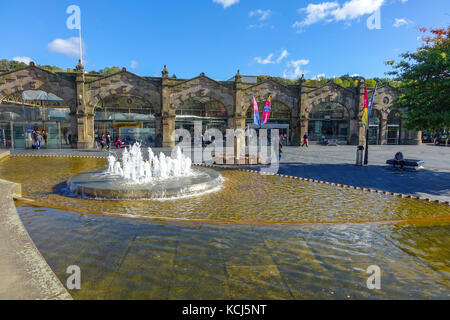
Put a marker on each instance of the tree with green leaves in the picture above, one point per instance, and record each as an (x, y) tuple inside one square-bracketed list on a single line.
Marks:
[(107, 71), (11, 65), (425, 83)]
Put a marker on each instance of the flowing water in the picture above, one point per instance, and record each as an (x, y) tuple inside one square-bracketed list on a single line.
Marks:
[(123, 258), (321, 251)]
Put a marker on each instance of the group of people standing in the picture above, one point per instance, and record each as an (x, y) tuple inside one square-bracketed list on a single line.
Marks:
[(39, 138), (105, 141)]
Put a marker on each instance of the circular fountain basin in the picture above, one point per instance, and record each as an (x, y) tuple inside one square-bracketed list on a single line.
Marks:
[(99, 185)]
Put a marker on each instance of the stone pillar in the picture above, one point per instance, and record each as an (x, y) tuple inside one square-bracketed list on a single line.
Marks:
[(238, 123), (413, 137), (383, 131), (304, 123), (303, 119), (238, 120), (296, 131), (168, 128), (168, 115), (84, 117), (158, 130), (362, 134)]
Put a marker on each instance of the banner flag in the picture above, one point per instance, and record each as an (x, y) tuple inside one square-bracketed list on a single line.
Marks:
[(365, 117), (267, 109), (255, 112)]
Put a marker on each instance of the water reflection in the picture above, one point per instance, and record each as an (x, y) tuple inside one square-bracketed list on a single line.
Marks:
[(123, 258), (245, 197)]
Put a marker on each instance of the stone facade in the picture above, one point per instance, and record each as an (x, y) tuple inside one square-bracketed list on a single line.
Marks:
[(83, 93)]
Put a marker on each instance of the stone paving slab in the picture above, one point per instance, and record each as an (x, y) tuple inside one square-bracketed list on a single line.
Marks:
[(24, 273)]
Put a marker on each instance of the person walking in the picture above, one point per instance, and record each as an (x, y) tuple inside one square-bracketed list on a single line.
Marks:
[(33, 137), (44, 137), (38, 140), (280, 148), (102, 141), (305, 140), (108, 140)]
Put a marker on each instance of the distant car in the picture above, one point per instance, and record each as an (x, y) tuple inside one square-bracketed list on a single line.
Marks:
[(427, 138), (442, 139)]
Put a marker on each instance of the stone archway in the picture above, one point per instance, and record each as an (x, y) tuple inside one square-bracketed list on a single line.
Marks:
[(20, 115), (123, 83), (262, 91), (375, 125), (333, 94), (201, 86), (329, 120), (130, 118)]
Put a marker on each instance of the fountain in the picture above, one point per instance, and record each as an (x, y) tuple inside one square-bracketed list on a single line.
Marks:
[(155, 178), (136, 170)]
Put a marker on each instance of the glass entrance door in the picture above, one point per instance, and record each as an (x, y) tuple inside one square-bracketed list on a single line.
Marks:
[(393, 134), (52, 136), (19, 136), (5, 135), (23, 134), (373, 134)]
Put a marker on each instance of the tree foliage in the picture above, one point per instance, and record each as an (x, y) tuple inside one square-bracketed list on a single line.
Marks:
[(344, 81), (11, 65), (424, 81), (107, 71)]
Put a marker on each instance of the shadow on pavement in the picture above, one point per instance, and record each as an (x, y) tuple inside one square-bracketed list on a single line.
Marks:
[(375, 176)]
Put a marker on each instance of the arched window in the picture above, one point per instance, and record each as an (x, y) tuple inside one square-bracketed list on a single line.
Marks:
[(374, 127), (37, 110), (329, 121), (394, 122), (128, 117), (210, 112), (280, 118), (279, 113)]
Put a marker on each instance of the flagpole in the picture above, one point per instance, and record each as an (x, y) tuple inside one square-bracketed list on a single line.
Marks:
[(366, 152), (81, 46)]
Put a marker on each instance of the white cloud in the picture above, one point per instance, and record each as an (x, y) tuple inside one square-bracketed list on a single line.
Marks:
[(400, 22), (226, 3), (269, 59), (263, 14), (333, 11), (133, 64), (282, 56), (356, 8), (316, 13), (295, 70), (70, 47), (25, 60)]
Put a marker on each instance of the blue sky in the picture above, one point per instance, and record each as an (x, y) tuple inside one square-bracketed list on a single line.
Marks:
[(280, 38)]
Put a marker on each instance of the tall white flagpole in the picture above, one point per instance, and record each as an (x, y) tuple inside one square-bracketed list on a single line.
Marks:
[(74, 22), (81, 45)]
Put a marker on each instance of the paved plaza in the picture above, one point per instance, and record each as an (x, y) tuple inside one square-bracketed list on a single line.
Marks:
[(337, 164)]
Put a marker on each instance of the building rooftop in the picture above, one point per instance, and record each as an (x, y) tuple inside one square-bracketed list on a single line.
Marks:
[(246, 79)]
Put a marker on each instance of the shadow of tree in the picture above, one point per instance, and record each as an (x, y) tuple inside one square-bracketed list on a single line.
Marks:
[(375, 176)]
